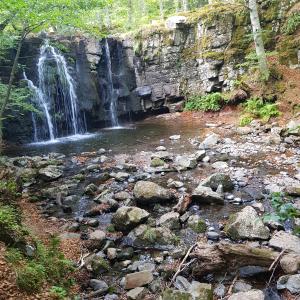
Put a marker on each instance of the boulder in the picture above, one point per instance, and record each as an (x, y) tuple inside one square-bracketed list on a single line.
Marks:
[(184, 162), (169, 220), (50, 173), (147, 192), (137, 279), (137, 293), (127, 217), (210, 141), (289, 282), (218, 179), (175, 22), (283, 240), (145, 236), (99, 286), (249, 295), (247, 225), (290, 263), (204, 194)]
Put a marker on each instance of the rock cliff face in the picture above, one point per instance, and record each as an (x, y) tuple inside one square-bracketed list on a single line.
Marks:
[(197, 52)]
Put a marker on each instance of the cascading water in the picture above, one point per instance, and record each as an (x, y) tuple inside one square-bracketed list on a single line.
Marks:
[(112, 94), (55, 96)]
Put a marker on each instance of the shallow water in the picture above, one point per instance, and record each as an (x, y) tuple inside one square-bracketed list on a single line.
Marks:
[(128, 139)]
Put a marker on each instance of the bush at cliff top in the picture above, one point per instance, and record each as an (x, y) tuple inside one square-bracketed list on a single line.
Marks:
[(210, 102)]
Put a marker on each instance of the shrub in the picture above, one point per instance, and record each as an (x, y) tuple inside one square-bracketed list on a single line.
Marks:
[(11, 229), (245, 120), (8, 190), (31, 277), (257, 108), (48, 264), (292, 23), (210, 102), (57, 267), (58, 292)]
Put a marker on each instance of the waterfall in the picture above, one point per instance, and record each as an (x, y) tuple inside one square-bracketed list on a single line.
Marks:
[(55, 96), (112, 94), (39, 100)]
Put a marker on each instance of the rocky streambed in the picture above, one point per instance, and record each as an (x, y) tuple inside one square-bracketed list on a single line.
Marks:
[(183, 218)]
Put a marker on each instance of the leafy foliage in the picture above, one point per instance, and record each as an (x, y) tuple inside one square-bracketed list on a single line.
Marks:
[(210, 102), (283, 210), (11, 229), (48, 265), (19, 99), (257, 108), (31, 277), (245, 120), (58, 292), (292, 23), (8, 190)]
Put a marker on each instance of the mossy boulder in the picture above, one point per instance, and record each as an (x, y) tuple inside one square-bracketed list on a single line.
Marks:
[(246, 225)]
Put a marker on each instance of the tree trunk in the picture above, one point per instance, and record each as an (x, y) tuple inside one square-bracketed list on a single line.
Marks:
[(130, 13), (259, 44), (161, 9), (176, 3), (10, 83), (185, 5)]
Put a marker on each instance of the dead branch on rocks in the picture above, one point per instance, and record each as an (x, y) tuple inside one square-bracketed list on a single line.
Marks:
[(181, 264), (211, 258)]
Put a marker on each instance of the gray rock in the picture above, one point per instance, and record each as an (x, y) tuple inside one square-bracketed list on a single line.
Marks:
[(111, 253), (98, 285), (220, 165), (250, 295), (212, 235), (220, 290), (147, 192), (201, 290), (283, 240), (128, 217), (137, 279), (241, 286), (175, 22), (247, 225), (182, 283), (111, 297), (185, 163), (175, 137), (122, 196), (218, 179), (50, 173), (98, 235), (137, 293), (169, 220), (204, 194), (251, 271), (144, 236), (210, 141), (289, 282), (290, 263), (161, 148), (199, 155), (122, 176), (146, 266)]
